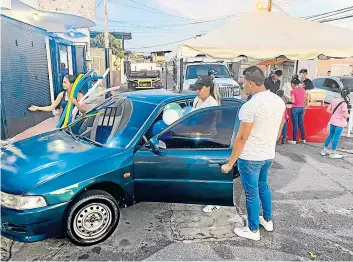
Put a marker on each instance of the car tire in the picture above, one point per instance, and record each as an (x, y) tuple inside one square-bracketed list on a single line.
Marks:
[(92, 218)]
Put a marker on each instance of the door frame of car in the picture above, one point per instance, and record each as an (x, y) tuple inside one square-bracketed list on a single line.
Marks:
[(222, 189)]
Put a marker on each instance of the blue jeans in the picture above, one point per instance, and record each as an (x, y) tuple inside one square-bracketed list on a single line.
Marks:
[(298, 117), (284, 130), (335, 135), (254, 179)]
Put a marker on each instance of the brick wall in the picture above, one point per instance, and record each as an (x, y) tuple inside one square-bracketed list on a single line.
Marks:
[(84, 8)]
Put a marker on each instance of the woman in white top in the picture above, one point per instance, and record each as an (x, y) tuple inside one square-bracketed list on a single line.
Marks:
[(207, 93), (207, 96)]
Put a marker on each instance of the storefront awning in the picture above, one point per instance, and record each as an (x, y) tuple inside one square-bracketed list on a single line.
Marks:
[(50, 21)]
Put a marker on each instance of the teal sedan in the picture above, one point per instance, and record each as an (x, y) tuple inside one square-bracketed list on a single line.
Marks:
[(74, 180)]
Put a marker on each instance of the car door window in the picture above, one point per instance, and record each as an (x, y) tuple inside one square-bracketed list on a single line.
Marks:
[(319, 83), (332, 85), (213, 128)]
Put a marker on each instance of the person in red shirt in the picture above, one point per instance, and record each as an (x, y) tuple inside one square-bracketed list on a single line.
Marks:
[(298, 98)]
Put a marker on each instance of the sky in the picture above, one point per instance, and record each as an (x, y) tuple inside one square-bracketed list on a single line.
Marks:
[(158, 24)]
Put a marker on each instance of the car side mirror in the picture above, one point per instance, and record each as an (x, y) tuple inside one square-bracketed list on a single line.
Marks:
[(154, 145)]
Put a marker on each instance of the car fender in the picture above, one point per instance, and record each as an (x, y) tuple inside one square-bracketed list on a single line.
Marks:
[(112, 169)]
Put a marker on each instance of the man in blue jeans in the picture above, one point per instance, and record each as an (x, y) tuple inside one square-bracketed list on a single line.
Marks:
[(262, 119)]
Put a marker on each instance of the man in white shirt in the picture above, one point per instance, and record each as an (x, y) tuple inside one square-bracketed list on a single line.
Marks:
[(262, 119)]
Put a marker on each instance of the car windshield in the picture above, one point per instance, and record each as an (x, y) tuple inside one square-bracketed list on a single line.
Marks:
[(111, 124), (347, 82), (194, 71)]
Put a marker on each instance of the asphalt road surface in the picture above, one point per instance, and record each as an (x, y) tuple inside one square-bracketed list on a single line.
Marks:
[(313, 214)]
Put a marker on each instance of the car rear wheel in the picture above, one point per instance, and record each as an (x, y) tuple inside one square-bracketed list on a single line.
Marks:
[(92, 218)]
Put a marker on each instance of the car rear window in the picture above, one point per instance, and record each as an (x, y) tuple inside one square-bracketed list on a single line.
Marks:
[(347, 82)]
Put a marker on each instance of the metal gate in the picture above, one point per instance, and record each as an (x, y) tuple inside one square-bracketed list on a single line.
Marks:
[(24, 76)]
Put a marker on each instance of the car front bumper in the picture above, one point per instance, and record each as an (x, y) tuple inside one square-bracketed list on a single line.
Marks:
[(32, 225)]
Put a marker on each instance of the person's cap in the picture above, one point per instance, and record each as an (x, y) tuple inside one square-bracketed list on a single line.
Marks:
[(278, 72), (303, 70), (212, 72), (203, 81)]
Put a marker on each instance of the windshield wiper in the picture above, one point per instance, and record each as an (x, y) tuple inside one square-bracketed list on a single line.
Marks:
[(90, 141), (68, 130)]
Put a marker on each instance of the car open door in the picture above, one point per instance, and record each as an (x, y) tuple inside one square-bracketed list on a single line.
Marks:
[(186, 167)]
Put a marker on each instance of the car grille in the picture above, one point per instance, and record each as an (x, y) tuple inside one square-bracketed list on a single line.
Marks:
[(229, 91)]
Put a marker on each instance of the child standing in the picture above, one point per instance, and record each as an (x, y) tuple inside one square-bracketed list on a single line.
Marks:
[(339, 108)]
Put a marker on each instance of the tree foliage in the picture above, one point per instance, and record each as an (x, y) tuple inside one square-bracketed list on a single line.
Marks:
[(114, 44)]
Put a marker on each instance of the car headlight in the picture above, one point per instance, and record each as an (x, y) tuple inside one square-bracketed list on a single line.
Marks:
[(22, 202)]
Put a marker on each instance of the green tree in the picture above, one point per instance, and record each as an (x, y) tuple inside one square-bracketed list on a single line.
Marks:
[(114, 44)]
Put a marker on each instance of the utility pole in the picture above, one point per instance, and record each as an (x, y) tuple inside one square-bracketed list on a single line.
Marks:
[(106, 45), (269, 7)]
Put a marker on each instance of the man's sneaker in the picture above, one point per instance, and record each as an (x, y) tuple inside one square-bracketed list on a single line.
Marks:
[(323, 152), (292, 142), (210, 209), (303, 141), (267, 225), (335, 156), (245, 232)]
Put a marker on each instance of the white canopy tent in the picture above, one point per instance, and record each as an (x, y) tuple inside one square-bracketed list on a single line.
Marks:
[(266, 35)]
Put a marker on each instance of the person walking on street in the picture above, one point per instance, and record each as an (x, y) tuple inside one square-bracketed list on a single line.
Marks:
[(339, 110), (272, 82), (305, 81), (62, 98), (254, 150), (298, 100)]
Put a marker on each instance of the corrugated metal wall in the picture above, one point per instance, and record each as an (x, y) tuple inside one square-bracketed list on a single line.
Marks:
[(24, 76)]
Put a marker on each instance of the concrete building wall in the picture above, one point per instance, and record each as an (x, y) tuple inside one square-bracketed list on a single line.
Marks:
[(84, 8)]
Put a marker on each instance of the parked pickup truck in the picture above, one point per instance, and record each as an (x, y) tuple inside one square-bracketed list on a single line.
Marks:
[(144, 79)]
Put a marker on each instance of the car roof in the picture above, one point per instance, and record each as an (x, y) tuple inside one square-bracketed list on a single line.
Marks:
[(334, 77), (155, 96)]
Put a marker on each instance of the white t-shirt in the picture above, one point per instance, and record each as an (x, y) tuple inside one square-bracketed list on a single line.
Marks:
[(265, 110), (210, 101)]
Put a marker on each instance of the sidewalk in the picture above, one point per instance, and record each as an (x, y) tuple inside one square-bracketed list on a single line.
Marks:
[(43, 127)]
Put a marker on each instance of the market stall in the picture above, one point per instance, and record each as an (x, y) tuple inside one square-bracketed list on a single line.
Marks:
[(266, 35)]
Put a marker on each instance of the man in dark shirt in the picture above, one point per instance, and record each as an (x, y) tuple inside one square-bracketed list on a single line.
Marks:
[(306, 82), (272, 82)]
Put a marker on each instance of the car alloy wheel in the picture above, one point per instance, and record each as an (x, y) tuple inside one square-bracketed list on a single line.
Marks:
[(92, 218)]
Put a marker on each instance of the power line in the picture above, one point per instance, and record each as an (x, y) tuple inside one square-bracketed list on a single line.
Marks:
[(318, 15), (144, 9), (178, 24), (334, 14), (154, 8), (199, 35), (280, 9), (336, 19)]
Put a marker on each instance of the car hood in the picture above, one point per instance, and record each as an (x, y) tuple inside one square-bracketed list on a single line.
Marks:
[(36, 160), (218, 81)]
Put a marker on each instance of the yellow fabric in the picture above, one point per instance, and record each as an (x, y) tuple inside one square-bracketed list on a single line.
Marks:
[(69, 104), (266, 35)]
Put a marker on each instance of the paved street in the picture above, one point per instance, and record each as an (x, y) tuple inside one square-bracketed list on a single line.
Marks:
[(313, 213)]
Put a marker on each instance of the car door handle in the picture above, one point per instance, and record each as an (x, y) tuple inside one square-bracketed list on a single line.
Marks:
[(217, 161)]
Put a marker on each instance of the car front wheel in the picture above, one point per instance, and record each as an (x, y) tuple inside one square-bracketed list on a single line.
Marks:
[(92, 218)]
